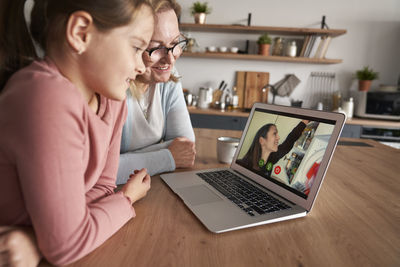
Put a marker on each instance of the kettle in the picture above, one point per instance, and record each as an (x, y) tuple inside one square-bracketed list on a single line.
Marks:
[(205, 97)]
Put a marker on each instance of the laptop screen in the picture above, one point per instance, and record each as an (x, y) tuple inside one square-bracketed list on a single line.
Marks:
[(285, 148)]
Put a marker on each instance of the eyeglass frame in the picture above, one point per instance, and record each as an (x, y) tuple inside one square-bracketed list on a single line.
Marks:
[(151, 50)]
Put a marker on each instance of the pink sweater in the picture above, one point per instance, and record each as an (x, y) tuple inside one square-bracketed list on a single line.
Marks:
[(58, 163)]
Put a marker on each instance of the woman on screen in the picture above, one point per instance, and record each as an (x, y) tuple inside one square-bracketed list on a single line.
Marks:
[(265, 150)]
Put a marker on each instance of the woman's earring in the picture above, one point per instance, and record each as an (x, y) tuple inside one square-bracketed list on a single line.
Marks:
[(80, 51)]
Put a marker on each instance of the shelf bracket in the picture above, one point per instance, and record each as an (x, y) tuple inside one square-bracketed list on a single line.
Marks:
[(323, 23), (249, 20)]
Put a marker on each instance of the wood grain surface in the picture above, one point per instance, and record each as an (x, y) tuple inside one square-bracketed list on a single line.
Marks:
[(355, 221), (249, 85)]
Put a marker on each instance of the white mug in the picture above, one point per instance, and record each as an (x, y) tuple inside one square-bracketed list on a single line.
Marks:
[(205, 97), (226, 148)]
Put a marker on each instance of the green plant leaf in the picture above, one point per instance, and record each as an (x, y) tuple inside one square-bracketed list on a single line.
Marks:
[(366, 74), (264, 39), (199, 7)]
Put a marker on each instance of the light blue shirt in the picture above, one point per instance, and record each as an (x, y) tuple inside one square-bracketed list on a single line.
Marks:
[(156, 157)]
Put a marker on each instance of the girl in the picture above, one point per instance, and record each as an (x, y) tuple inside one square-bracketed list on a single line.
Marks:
[(61, 119)]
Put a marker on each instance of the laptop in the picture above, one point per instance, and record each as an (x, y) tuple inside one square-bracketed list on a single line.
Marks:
[(275, 174)]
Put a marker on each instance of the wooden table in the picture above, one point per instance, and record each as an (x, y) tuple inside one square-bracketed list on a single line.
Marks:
[(355, 222)]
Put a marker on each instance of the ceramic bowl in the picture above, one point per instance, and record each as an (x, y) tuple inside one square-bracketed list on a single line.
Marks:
[(234, 49), (211, 48), (223, 49)]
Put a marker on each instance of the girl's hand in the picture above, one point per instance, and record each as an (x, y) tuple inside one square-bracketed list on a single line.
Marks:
[(18, 247), (137, 185)]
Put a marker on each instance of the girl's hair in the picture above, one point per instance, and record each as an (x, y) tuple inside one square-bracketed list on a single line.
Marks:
[(165, 5), (253, 154), (48, 21)]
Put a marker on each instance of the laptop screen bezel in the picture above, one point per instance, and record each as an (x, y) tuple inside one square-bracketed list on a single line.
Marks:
[(306, 203)]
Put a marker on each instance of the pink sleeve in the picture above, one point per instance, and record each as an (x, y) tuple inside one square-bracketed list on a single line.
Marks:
[(107, 181), (50, 163)]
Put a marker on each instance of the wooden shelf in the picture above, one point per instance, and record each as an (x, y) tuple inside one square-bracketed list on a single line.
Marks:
[(219, 28), (260, 57), (259, 29)]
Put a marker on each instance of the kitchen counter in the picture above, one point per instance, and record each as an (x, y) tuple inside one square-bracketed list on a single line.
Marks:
[(236, 120), (242, 113)]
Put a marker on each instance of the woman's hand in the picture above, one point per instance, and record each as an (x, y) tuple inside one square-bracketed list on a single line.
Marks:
[(305, 121), (137, 185), (183, 151), (18, 247)]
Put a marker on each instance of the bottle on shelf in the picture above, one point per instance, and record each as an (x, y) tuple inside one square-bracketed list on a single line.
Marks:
[(336, 100), (348, 107), (235, 98)]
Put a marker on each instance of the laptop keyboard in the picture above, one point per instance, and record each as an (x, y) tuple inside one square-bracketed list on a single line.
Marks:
[(246, 196)]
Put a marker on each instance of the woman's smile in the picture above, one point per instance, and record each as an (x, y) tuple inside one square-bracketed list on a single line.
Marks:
[(162, 69)]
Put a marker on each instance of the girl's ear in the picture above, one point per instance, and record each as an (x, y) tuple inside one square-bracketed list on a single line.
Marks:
[(79, 31)]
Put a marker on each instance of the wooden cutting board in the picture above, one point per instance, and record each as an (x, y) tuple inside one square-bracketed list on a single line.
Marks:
[(249, 86)]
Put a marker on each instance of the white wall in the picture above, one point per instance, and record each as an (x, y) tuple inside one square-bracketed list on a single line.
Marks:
[(372, 38)]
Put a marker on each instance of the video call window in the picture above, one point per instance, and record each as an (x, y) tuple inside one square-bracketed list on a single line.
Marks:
[(285, 150)]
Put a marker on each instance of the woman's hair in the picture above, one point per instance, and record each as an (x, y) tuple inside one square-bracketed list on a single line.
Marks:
[(165, 5), (48, 23), (159, 6), (253, 154)]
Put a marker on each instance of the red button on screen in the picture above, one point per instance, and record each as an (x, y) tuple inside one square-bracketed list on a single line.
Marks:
[(277, 170)]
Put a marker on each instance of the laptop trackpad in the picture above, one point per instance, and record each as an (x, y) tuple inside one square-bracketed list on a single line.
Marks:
[(198, 194)]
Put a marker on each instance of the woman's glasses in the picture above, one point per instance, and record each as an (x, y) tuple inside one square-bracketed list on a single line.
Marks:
[(158, 52)]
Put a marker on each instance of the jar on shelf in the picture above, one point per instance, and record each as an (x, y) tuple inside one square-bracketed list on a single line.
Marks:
[(291, 49), (277, 47)]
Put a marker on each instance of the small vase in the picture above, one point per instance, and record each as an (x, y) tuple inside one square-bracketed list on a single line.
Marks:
[(200, 18), (278, 47), (263, 49), (364, 85)]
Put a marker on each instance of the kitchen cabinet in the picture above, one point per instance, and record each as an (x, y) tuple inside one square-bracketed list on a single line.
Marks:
[(215, 119), (275, 31), (352, 131), (218, 122)]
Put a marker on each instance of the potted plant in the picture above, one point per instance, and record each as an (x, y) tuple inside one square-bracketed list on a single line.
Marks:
[(199, 11), (264, 43), (365, 77)]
